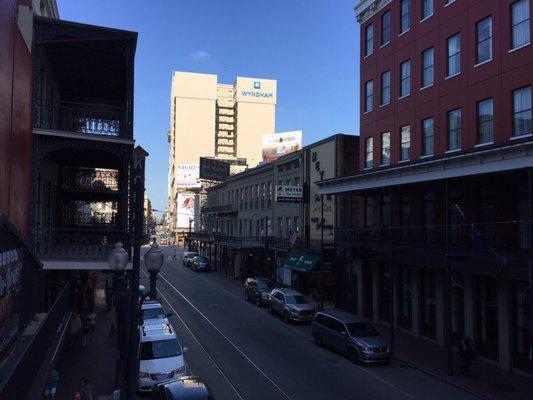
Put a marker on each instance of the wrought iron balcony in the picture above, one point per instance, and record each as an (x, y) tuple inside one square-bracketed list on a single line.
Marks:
[(243, 242), (85, 118), (76, 244)]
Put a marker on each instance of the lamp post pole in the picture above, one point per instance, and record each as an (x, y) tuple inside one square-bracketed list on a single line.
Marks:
[(153, 260)]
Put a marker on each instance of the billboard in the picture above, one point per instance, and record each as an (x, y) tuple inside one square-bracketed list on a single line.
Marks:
[(276, 145), (186, 209), (213, 169), (288, 194), (187, 176)]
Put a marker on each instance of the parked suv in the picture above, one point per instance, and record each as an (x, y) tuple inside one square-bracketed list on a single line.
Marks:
[(291, 304), (187, 258), (353, 336), (257, 290), (160, 355), (152, 313), (199, 263)]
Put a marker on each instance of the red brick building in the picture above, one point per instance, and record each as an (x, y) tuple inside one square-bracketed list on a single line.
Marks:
[(439, 241)]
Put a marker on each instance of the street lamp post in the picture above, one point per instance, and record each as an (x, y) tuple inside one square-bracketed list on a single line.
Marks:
[(153, 260), (118, 259)]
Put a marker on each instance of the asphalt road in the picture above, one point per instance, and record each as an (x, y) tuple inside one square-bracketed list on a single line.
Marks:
[(242, 352)]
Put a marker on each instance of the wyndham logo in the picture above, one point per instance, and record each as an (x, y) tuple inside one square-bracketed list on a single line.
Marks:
[(247, 93), (257, 85)]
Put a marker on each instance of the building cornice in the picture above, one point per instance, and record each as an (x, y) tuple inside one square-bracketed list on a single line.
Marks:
[(368, 8), (499, 159)]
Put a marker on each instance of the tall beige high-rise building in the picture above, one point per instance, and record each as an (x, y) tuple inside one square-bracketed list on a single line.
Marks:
[(211, 119)]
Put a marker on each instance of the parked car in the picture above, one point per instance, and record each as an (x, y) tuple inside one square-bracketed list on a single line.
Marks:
[(199, 263), (187, 258), (291, 304), (350, 335), (257, 290), (160, 355), (152, 313), (186, 388)]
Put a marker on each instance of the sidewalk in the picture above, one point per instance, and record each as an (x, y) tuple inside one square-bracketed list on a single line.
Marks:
[(96, 363), (486, 380)]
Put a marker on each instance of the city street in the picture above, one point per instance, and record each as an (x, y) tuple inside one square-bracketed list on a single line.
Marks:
[(242, 352)]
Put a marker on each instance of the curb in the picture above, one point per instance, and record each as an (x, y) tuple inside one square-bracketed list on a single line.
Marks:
[(441, 378)]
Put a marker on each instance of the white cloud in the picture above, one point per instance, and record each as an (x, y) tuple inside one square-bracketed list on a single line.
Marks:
[(200, 55)]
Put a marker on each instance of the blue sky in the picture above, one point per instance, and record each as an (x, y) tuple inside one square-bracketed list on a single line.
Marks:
[(310, 46)]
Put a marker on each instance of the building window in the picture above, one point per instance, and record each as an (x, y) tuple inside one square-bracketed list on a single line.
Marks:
[(429, 304), (385, 88), (405, 15), (485, 121), (369, 34), (457, 306), (297, 181), (405, 138), (453, 65), (405, 76), (369, 96), (454, 129), (289, 227), (428, 136), (520, 23), (296, 225), (406, 303), (369, 152), (240, 227), (268, 222), (385, 28), (385, 148), (405, 217), (385, 212), (522, 111), (369, 212), (484, 40), (428, 65), (385, 288), (280, 227), (429, 217), (427, 9)]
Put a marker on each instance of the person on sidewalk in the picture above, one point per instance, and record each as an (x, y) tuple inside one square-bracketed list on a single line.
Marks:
[(86, 331), (74, 327), (466, 353), (92, 324), (51, 386), (85, 390)]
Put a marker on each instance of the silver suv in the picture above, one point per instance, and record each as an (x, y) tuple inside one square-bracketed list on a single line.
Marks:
[(353, 336), (291, 304)]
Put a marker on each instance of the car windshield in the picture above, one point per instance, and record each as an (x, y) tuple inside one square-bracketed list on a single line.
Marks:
[(201, 259), (296, 299), (153, 313), (160, 349), (361, 329), (263, 285)]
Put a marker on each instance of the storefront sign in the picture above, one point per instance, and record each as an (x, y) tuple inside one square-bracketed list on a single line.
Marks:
[(289, 194)]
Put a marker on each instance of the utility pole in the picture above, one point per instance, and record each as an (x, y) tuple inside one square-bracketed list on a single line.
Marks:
[(321, 252), (139, 158)]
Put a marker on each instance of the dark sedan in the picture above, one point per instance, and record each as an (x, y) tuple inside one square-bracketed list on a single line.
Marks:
[(199, 263)]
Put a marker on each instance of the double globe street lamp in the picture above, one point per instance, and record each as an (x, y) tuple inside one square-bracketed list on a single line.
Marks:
[(153, 260)]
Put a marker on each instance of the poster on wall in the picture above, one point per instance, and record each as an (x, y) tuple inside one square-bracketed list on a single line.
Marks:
[(10, 276), (187, 176), (276, 145), (186, 208)]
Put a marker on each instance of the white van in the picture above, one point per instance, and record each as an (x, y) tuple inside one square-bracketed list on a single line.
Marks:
[(160, 355)]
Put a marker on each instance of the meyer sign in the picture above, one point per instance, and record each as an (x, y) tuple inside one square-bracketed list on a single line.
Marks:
[(288, 194)]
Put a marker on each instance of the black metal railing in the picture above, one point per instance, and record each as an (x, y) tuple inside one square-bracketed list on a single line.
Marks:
[(76, 244), (90, 119), (499, 236), (225, 208), (242, 242), (89, 179)]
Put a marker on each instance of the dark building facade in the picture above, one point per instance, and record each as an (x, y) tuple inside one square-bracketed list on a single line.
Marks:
[(439, 238)]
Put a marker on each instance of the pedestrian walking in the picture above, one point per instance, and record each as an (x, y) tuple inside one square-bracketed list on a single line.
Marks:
[(85, 390), (51, 386), (74, 327), (92, 324), (466, 353), (86, 331)]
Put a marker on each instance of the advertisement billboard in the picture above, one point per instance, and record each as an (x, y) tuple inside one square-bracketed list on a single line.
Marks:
[(186, 209), (214, 170), (288, 194), (278, 144), (187, 176)]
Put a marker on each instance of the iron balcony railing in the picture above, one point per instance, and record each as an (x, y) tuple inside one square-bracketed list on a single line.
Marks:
[(242, 242), (500, 236), (85, 118), (220, 209), (76, 244)]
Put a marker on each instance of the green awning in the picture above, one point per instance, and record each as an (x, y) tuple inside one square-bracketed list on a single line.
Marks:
[(301, 261)]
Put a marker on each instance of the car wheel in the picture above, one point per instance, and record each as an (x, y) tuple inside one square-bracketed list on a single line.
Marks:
[(270, 309), (318, 339), (353, 356), (286, 318), (258, 301)]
